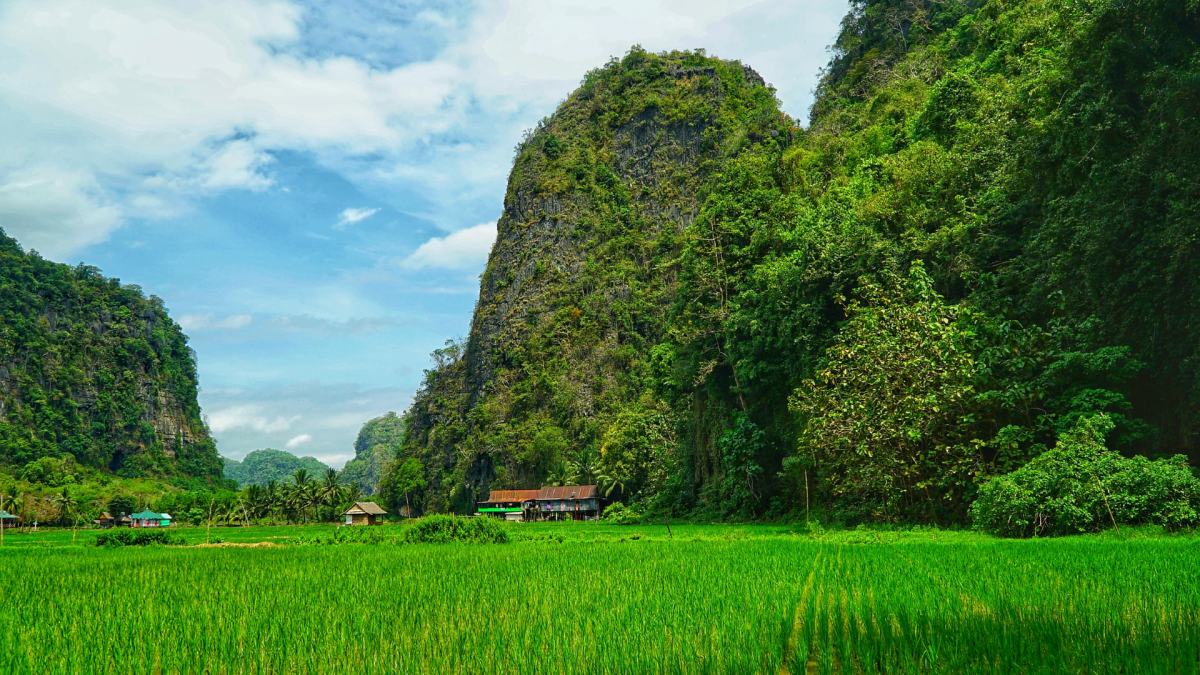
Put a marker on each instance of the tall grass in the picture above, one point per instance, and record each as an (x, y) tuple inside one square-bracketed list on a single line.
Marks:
[(650, 606)]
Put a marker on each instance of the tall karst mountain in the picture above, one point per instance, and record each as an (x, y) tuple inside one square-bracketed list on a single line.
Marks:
[(94, 370), (987, 233), (585, 269)]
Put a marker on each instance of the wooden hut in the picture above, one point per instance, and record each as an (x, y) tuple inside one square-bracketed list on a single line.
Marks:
[(508, 504), (363, 513), (105, 521), (568, 502)]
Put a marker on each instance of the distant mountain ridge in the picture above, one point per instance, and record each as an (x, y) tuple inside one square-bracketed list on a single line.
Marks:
[(262, 466)]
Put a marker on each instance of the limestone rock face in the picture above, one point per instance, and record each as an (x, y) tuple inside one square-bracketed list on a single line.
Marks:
[(96, 370), (584, 271)]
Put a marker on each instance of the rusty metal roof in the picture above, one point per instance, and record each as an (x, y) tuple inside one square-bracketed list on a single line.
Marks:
[(568, 492), (512, 495)]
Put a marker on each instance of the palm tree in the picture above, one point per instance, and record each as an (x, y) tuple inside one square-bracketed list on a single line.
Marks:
[(313, 498), (298, 497), (63, 504), (587, 469), (331, 488), (606, 485), (272, 499), (563, 474), (256, 502)]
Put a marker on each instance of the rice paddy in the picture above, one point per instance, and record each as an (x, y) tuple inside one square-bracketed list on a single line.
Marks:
[(606, 600)]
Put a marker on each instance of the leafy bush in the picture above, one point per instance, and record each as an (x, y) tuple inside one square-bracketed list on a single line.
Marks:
[(621, 514), (446, 529), (114, 538), (1065, 489)]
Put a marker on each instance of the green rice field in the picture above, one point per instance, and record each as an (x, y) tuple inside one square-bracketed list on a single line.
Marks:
[(587, 598)]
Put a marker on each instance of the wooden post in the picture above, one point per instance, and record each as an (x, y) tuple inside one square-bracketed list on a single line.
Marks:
[(1106, 506), (807, 508), (208, 527)]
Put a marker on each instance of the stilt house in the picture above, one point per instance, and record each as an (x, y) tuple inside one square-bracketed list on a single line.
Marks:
[(509, 504), (568, 502)]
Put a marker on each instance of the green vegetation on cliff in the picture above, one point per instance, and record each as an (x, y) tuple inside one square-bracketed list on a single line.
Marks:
[(376, 445), (94, 374), (985, 239)]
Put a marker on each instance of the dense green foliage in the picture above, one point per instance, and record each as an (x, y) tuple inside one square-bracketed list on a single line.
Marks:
[(608, 599), (141, 537), (95, 372), (260, 467), (376, 445), (1029, 166), (445, 529), (1079, 486)]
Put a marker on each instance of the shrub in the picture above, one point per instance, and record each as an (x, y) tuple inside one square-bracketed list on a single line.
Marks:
[(621, 514), (139, 538), (446, 529), (1064, 490)]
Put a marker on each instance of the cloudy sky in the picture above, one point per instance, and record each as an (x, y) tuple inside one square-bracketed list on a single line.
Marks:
[(312, 187)]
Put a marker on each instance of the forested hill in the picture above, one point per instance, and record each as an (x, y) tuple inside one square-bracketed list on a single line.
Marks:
[(987, 233), (96, 371), (260, 467), (375, 446)]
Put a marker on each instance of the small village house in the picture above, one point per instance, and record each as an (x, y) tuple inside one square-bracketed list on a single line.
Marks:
[(105, 521), (363, 513), (509, 504), (149, 518), (567, 502), (9, 520)]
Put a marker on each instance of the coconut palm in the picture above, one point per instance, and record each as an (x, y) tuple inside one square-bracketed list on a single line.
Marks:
[(331, 489), (272, 497), (587, 468), (63, 505), (563, 474)]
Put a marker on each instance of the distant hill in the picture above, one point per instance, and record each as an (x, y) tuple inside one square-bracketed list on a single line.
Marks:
[(376, 445), (261, 466), (95, 370)]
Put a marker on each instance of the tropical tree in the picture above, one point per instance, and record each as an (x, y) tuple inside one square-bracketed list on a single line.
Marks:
[(883, 415), (332, 491)]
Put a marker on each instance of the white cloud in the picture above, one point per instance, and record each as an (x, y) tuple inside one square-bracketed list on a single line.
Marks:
[(298, 440), (305, 323), (455, 251), (352, 215), (149, 105), (199, 322), (56, 211), (249, 417), (237, 165), (332, 414)]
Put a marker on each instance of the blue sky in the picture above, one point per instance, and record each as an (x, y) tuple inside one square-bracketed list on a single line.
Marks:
[(312, 187)]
